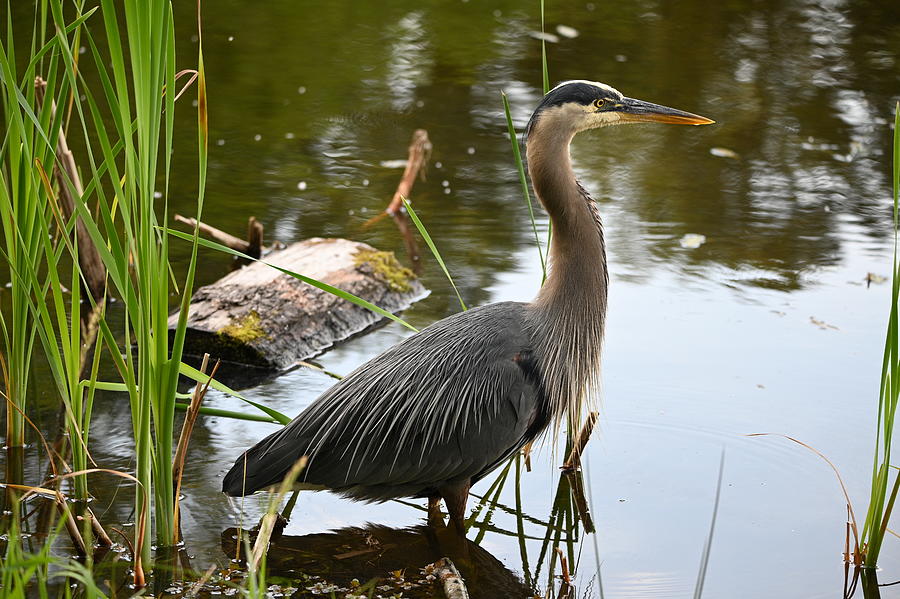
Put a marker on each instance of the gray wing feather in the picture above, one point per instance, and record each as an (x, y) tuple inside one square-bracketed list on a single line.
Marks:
[(446, 404)]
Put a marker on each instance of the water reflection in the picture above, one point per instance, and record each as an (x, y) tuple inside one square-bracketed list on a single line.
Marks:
[(390, 559), (801, 91), (803, 111), (708, 342)]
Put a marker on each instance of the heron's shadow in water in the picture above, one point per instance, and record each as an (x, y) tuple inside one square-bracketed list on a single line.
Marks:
[(375, 551)]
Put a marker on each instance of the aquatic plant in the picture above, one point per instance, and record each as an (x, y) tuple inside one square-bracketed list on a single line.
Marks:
[(124, 163), (23, 572), (434, 251), (127, 232), (23, 208), (40, 234), (883, 495)]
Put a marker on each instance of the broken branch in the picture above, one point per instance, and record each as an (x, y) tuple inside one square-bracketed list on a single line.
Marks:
[(419, 153)]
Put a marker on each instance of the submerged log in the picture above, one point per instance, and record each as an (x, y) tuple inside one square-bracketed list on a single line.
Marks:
[(267, 320)]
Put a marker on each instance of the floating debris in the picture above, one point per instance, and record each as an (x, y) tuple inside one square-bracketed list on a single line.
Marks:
[(323, 588), (692, 241), (724, 153), (812, 144), (871, 277), (301, 90), (393, 163), (301, 185), (855, 149), (566, 31), (544, 36), (289, 135), (257, 137), (620, 58), (470, 150), (822, 324), (453, 583)]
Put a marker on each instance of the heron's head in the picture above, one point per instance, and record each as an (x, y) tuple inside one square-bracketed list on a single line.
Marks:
[(574, 106)]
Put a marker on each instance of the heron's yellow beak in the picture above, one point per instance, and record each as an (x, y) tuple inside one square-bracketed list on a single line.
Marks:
[(638, 111)]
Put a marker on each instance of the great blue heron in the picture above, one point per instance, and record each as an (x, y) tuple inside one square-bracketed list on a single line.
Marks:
[(437, 412)]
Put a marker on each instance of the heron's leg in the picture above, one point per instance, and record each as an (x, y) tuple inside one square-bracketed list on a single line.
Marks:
[(289, 506), (282, 519), (455, 496), (435, 517)]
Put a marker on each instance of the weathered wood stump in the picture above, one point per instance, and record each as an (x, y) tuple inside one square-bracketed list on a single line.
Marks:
[(266, 320)]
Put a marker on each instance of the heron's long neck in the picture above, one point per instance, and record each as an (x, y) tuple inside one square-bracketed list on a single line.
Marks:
[(570, 308)]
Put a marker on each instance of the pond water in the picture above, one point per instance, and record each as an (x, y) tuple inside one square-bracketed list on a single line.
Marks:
[(767, 327)]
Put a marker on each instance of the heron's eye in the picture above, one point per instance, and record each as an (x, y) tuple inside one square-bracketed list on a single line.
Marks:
[(600, 102)]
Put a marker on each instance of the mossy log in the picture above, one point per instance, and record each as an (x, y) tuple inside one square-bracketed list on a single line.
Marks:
[(264, 321)]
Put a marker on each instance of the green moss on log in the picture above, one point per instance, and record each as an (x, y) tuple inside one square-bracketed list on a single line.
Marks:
[(387, 269), (246, 330)]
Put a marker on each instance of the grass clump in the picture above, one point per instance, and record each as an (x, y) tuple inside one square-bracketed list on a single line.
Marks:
[(126, 126)]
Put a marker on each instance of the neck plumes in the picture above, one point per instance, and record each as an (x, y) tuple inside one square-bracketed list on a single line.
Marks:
[(570, 308)]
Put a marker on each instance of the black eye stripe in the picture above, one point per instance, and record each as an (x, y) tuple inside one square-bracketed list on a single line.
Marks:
[(577, 92)]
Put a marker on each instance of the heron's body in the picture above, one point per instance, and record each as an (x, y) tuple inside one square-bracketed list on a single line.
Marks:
[(434, 414), (405, 451)]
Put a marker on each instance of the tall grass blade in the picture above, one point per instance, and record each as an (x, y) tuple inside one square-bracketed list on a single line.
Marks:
[(707, 545), (544, 70), (590, 498), (271, 415), (491, 496), (203, 379), (520, 524), (25, 139), (434, 251), (877, 515), (523, 181)]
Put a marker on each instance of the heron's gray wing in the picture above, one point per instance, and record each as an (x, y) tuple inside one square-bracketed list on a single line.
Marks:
[(444, 405)]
